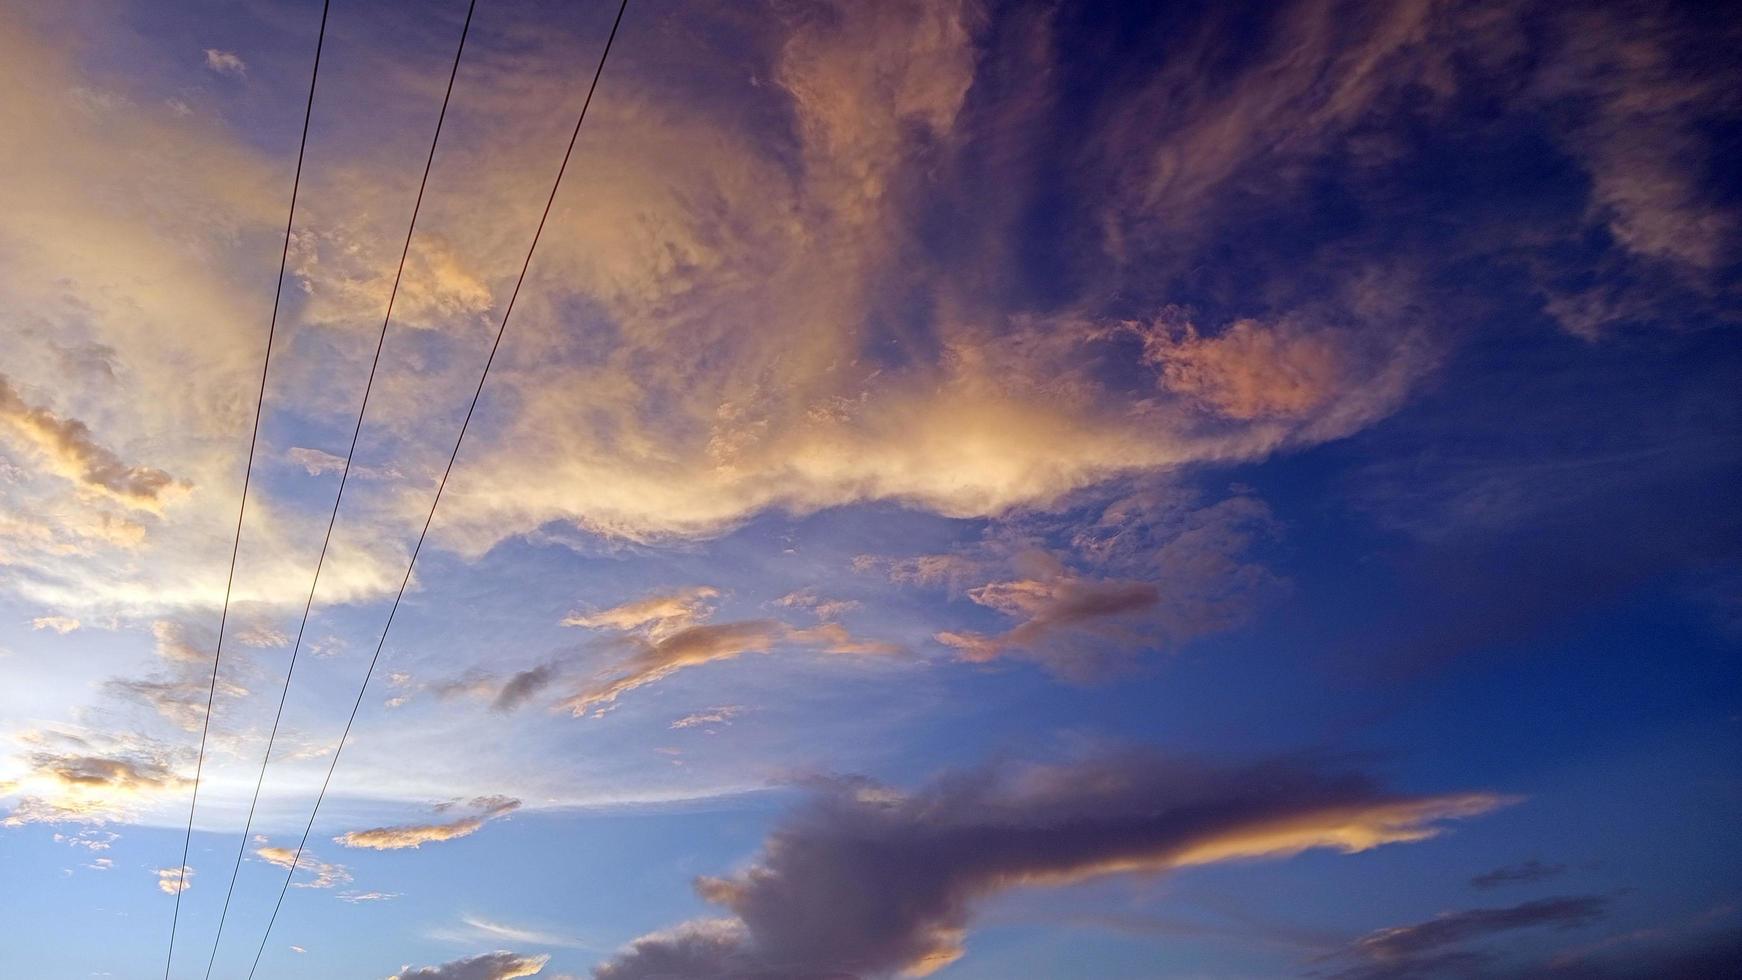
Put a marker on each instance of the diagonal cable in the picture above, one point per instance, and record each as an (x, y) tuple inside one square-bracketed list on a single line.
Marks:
[(247, 478), (344, 477), (458, 441)]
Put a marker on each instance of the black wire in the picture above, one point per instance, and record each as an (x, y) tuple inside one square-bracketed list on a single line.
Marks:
[(247, 477), (442, 485), (344, 477)]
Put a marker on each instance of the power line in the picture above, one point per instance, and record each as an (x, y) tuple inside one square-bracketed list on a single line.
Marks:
[(247, 478), (508, 312), (344, 477)]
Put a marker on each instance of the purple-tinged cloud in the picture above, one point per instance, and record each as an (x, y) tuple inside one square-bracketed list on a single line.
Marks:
[(864, 880)]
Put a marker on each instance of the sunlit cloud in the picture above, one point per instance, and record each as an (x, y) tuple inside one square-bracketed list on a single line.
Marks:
[(59, 624), (416, 835), (68, 448), (320, 874), (88, 782), (721, 716), (499, 965), (174, 881)]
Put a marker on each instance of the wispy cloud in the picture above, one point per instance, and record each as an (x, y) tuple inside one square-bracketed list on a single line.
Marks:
[(500, 965), (225, 62), (320, 874), (417, 835)]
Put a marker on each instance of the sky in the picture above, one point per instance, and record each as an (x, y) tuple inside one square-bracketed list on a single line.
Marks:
[(970, 489)]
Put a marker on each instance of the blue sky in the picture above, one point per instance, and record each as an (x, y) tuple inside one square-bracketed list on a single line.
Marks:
[(970, 489)]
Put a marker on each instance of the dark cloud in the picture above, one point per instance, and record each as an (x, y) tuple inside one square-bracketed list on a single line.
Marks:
[(865, 880), (1457, 927), (524, 686), (1421, 950), (1518, 874)]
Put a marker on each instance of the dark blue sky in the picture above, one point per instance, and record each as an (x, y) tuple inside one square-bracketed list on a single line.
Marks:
[(970, 489)]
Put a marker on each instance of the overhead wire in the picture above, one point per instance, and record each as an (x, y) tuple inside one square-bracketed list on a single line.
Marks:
[(247, 478), (344, 477), (459, 440)]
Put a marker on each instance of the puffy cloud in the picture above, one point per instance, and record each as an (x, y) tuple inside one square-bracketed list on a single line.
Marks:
[(500, 965), (69, 449), (416, 835), (703, 948), (174, 881), (320, 873), (866, 880), (60, 624), (89, 839)]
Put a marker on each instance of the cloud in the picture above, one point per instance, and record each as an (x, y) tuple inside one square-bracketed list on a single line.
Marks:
[(262, 636), (667, 633), (1518, 874), (824, 608), (951, 571), (475, 929), (416, 835), (502, 695), (69, 450), (656, 660), (179, 699), (867, 880), (174, 881), (500, 965), (356, 897), (524, 686), (90, 783), (315, 462), (91, 840), (321, 874), (658, 616), (60, 624), (1422, 948), (721, 716), (225, 63), (1250, 370), (1051, 606), (1148, 569)]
